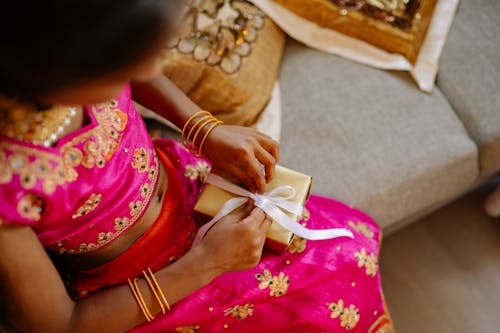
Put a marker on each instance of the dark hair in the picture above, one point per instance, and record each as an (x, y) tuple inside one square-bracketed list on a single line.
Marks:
[(47, 45)]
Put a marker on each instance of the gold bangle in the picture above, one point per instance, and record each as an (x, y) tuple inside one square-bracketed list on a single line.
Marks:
[(196, 124), (152, 287), (160, 291), (202, 126), (190, 119), (210, 129), (140, 300)]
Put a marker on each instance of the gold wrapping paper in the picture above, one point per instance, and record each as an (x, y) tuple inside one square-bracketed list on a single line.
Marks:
[(212, 198)]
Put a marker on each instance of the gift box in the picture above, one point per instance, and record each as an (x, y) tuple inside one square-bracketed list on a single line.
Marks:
[(212, 199)]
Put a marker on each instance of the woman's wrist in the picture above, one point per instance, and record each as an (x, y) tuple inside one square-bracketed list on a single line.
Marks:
[(202, 264), (197, 129)]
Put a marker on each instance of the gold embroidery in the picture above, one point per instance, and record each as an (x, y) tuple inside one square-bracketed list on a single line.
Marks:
[(199, 171), (188, 329), (88, 206), (135, 207), (361, 228), (27, 123), (104, 237), (84, 247), (122, 223), (191, 172), (278, 285), (368, 260), (145, 189), (152, 173), (298, 245), (99, 145), (106, 137), (240, 311), (220, 33), (349, 317), (31, 207), (141, 160)]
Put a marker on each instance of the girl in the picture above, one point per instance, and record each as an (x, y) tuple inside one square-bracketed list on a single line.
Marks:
[(84, 189)]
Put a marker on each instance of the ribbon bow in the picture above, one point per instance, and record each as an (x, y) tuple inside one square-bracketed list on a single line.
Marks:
[(274, 203)]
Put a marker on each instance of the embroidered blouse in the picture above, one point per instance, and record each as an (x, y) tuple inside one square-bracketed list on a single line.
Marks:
[(70, 193)]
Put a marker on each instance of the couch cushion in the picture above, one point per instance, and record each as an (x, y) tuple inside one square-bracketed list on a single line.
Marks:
[(469, 76), (371, 138)]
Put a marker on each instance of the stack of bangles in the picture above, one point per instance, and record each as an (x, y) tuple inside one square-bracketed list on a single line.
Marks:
[(194, 126), (155, 288)]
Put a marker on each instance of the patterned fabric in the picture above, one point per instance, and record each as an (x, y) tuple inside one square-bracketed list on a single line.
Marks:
[(396, 26), (65, 192), (105, 175), (219, 32), (318, 286), (222, 49)]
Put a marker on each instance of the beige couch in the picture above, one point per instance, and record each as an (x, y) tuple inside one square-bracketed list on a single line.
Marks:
[(373, 140)]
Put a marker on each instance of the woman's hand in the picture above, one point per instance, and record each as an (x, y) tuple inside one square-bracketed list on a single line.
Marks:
[(244, 154), (235, 243), (239, 152)]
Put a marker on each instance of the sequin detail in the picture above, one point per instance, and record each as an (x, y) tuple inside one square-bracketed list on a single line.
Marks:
[(362, 229), (278, 285), (93, 148), (92, 202), (240, 311), (31, 207), (369, 261), (349, 316), (220, 33)]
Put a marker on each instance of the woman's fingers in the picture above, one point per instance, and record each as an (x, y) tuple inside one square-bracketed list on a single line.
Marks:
[(266, 223), (271, 146), (267, 160), (252, 167), (240, 173), (256, 216)]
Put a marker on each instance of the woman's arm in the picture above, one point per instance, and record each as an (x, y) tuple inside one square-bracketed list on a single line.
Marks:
[(34, 298), (235, 150)]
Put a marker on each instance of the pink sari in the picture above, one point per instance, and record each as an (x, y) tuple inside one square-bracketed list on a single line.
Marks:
[(317, 286)]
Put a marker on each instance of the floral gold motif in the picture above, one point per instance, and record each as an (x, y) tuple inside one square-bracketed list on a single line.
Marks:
[(298, 245), (199, 171), (349, 316), (188, 329), (369, 261), (240, 311), (141, 160), (123, 223), (92, 202), (135, 207), (361, 228), (31, 207), (98, 146), (278, 285)]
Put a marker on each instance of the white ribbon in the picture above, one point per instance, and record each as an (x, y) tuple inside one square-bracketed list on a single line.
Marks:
[(274, 204)]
